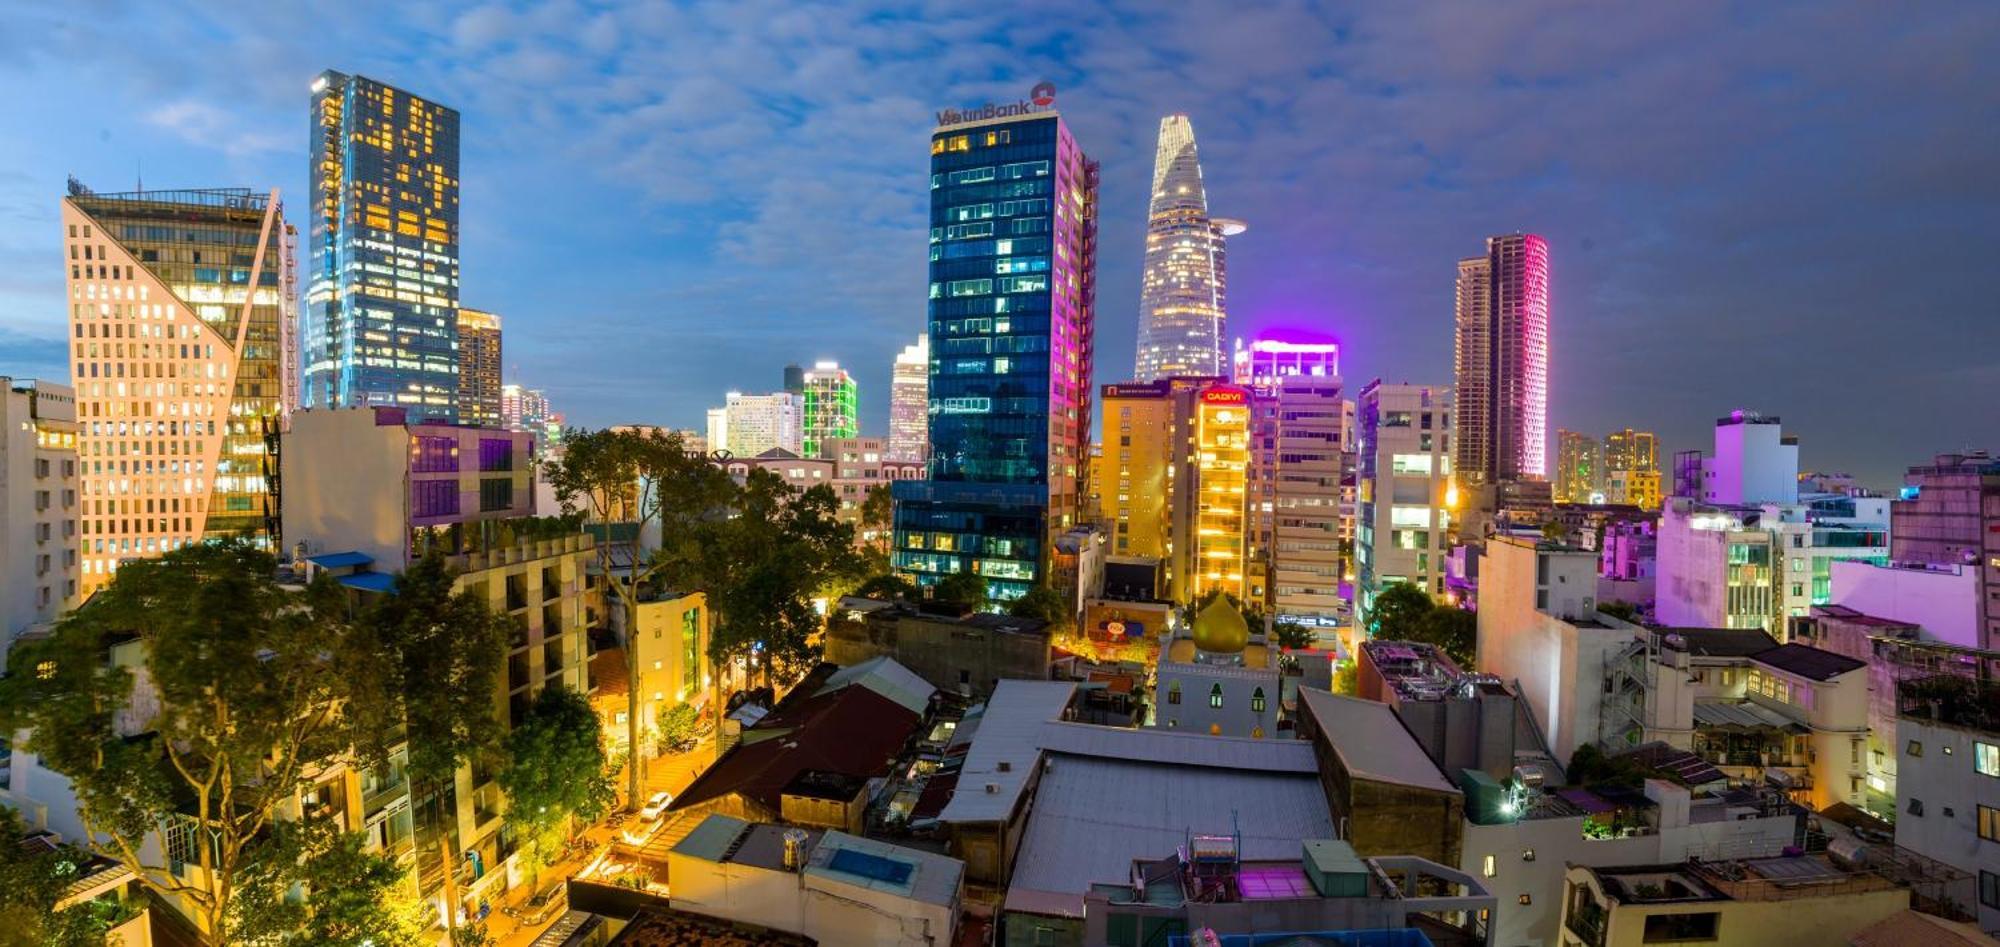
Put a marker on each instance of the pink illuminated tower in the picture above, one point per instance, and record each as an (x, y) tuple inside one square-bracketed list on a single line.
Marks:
[(1502, 359)]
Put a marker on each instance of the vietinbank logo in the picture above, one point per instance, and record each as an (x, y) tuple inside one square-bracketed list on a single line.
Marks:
[(1040, 98)]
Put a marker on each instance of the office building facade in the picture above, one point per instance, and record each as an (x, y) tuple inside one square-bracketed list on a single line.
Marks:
[(828, 407), (38, 505), (1501, 354), (1632, 468), (382, 300), (1406, 499), (1183, 319), (753, 424), (182, 356), (1300, 452), (1012, 300), (1579, 468), (1949, 513), (909, 402), (479, 360)]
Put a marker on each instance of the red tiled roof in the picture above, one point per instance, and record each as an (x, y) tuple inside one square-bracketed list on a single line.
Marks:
[(607, 668), (852, 731)]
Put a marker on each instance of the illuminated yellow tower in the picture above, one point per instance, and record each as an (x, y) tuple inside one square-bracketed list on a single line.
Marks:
[(1220, 464)]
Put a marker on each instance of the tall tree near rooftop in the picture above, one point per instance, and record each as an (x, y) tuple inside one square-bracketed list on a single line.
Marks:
[(1044, 604), (226, 713), (360, 899), (966, 589), (31, 884), (1398, 613), (635, 484), (433, 657), (877, 511), (555, 772), (762, 568)]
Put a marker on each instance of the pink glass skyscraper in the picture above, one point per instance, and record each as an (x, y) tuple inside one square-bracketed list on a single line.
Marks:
[(1502, 359)]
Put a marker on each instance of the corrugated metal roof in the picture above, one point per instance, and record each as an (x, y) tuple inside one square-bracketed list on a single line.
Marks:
[(1372, 742), (370, 581), (885, 676), (1010, 731), (1093, 816), (711, 839), (1180, 748), (1741, 713)]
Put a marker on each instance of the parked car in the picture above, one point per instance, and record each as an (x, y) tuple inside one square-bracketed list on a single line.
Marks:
[(656, 806)]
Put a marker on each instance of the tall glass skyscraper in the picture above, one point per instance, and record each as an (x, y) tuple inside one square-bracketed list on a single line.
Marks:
[(1013, 251), (909, 402), (830, 407), (1183, 318), (181, 348), (382, 303), (1502, 357)]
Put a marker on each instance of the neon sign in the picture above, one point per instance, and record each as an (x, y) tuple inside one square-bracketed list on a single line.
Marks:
[(1041, 98), (1224, 396)]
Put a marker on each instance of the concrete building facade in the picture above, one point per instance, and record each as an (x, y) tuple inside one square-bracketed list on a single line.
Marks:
[(1949, 513), (1406, 501), (38, 506)]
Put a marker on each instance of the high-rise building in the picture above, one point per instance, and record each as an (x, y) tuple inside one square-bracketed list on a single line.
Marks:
[(1012, 299), (717, 428), (38, 505), (1406, 496), (181, 346), (1183, 318), (382, 301), (1501, 353), (1300, 444), (795, 379), (523, 409), (909, 402), (1580, 475), (1177, 484), (1949, 513), (829, 407), (1632, 468), (479, 368), (753, 424)]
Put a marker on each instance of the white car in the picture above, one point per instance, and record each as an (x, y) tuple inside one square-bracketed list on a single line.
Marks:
[(656, 806)]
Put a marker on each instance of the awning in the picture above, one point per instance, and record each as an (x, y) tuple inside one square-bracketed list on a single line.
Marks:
[(1742, 715)]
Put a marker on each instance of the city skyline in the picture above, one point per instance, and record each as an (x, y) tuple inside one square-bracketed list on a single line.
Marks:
[(1763, 195)]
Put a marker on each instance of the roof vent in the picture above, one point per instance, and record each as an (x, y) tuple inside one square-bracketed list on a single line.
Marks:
[(993, 789), (1006, 767)]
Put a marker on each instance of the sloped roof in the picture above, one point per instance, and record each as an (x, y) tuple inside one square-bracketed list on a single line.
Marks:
[(1723, 642), (1009, 736), (853, 731), (884, 676), (1907, 927), (1808, 661), (1371, 742)]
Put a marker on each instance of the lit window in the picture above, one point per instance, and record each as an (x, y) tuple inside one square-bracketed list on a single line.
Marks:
[(1487, 867), (1989, 823), (1986, 759), (1215, 696)]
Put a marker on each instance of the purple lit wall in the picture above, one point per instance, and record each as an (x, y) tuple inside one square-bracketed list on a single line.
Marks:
[(1533, 326)]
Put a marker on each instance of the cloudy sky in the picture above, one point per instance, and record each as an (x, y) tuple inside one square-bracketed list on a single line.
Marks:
[(1793, 208)]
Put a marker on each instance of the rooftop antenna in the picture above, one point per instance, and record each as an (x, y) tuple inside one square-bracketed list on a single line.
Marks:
[(140, 173)]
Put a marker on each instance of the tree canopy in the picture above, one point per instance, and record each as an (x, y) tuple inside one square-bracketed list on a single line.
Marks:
[(1046, 604), (1404, 612), (32, 881), (555, 770), (359, 899), (964, 589), (194, 692)]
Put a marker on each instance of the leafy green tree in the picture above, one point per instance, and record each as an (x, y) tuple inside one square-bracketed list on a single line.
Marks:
[(885, 587), (877, 524), (359, 899), (240, 709), (249, 688), (31, 884), (1555, 532), (636, 485), (1455, 631), (1045, 604), (680, 729), (555, 772), (1399, 611), (964, 589), (1346, 678), (1291, 634), (763, 566)]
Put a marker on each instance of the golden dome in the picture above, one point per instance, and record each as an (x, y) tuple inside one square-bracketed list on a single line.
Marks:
[(1220, 629)]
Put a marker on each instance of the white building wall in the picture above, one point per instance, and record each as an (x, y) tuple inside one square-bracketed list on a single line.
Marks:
[(838, 913), (737, 892), (1941, 779), (345, 482), (1943, 600), (1752, 465), (38, 506)]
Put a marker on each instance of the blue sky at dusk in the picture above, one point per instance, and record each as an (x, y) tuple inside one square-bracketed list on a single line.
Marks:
[(1793, 208)]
